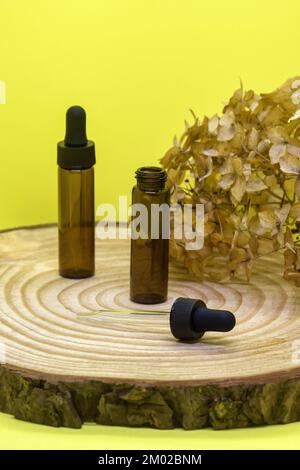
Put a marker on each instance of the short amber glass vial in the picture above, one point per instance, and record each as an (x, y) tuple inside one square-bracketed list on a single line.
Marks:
[(150, 257)]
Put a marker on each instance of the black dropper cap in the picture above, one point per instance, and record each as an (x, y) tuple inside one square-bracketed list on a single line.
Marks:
[(190, 319), (76, 152)]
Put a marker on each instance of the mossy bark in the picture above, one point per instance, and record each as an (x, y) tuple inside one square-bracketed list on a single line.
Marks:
[(163, 407)]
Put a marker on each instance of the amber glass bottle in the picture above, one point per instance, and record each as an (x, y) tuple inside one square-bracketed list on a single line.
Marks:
[(76, 220), (150, 256)]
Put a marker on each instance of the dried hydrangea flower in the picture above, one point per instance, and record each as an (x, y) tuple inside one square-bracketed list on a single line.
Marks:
[(244, 166)]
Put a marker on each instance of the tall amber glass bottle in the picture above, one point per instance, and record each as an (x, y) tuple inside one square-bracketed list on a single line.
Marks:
[(150, 256), (76, 220)]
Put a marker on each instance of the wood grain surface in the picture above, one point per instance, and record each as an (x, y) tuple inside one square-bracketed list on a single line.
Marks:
[(50, 338)]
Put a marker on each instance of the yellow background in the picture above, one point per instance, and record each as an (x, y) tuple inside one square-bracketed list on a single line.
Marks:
[(137, 66)]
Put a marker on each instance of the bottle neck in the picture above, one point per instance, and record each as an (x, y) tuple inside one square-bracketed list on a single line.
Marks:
[(151, 178)]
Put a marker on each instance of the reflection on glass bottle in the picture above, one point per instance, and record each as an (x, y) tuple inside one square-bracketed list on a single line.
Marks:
[(150, 257)]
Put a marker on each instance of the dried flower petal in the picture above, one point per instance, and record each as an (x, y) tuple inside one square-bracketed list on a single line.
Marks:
[(211, 152), (255, 184), (296, 97), (253, 138), (213, 124), (239, 188), (295, 116), (295, 84), (227, 119), (226, 133), (293, 150), (227, 181), (282, 213), (290, 164), (268, 219), (276, 152)]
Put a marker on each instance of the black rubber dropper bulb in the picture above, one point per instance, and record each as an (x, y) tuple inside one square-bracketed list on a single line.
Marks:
[(190, 319), (76, 152), (75, 127)]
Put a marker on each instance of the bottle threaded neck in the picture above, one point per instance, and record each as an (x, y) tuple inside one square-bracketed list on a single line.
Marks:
[(151, 178)]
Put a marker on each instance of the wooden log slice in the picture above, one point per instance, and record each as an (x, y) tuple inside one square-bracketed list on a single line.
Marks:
[(61, 368)]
